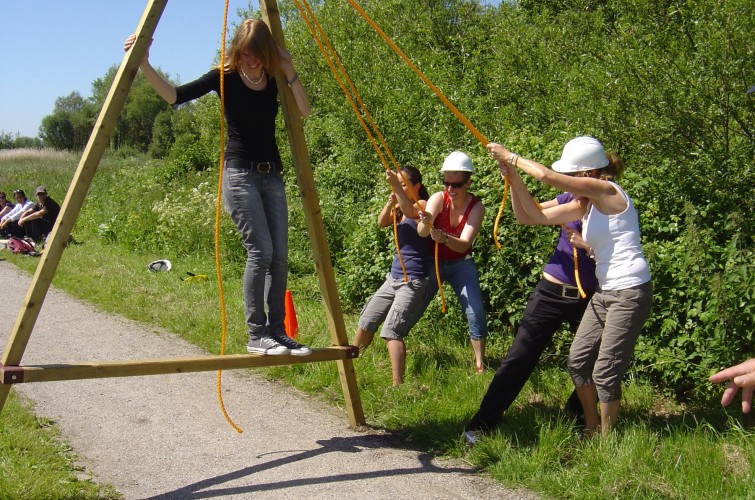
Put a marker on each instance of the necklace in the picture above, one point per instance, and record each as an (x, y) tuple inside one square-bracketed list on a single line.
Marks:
[(250, 80)]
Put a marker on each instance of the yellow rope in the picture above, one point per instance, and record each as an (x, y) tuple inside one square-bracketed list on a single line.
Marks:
[(481, 138), (223, 319), (359, 108)]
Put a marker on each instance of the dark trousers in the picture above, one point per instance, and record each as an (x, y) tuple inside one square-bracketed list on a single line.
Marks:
[(37, 229), (546, 311), (13, 229)]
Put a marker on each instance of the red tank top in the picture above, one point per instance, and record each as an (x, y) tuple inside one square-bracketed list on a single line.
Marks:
[(443, 222)]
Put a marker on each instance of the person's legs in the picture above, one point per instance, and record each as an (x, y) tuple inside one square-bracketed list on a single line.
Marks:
[(544, 314), (37, 229), (242, 195), (273, 193), (407, 308), (588, 397), (374, 313), (363, 339), (626, 313), (13, 229), (582, 356), (397, 353), (609, 414), (463, 277)]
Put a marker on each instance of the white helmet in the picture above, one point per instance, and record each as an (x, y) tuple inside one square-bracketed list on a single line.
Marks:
[(457, 162), (581, 154)]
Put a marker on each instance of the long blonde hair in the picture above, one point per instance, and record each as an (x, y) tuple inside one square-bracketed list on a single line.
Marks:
[(254, 37)]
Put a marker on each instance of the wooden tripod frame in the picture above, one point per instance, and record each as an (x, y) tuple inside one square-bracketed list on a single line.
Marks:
[(10, 370)]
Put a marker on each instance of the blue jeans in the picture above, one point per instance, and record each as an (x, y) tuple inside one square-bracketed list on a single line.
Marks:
[(257, 205), (463, 277)]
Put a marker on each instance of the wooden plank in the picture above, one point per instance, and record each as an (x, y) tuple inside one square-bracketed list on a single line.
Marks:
[(69, 210), (136, 368), (313, 215)]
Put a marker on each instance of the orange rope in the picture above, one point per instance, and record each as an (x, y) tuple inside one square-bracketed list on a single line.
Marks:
[(481, 138), (223, 319), (359, 108), (576, 273)]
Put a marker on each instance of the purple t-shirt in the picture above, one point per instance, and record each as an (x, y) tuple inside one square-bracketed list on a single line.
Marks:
[(561, 263)]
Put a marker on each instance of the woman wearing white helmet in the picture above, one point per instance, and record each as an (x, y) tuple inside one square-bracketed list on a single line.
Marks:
[(604, 343), (453, 218)]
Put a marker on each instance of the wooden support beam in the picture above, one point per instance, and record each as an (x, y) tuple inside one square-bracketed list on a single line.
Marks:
[(82, 179), (313, 215), (136, 368), (10, 370)]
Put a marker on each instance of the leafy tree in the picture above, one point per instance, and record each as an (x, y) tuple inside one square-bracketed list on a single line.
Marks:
[(143, 105), (70, 124)]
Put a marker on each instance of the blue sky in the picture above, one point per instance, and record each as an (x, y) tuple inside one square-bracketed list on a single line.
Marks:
[(50, 48)]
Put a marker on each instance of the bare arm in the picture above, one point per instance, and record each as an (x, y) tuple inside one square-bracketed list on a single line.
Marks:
[(385, 217), (31, 215), (408, 208), (163, 87), (427, 216), (551, 215), (602, 193), (520, 210), (292, 79), (474, 223)]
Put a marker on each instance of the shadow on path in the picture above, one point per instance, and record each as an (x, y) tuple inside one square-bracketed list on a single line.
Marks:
[(338, 444)]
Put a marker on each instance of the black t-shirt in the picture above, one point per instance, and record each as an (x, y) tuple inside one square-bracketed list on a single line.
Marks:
[(250, 114), (52, 207)]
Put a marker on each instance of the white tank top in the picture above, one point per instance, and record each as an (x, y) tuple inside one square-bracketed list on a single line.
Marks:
[(615, 240)]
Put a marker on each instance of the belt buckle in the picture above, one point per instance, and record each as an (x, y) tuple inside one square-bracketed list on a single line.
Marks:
[(265, 167), (565, 292)]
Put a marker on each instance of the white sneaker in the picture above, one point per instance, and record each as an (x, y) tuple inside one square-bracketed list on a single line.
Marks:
[(266, 345)]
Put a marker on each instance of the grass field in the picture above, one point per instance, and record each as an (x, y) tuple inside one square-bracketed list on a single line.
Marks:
[(661, 448)]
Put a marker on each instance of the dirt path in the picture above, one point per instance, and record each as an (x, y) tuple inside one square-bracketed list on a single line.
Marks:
[(165, 437)]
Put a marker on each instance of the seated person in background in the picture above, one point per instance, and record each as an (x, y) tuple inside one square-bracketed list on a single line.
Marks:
[(9, 222), (38, 220), (5, 205)]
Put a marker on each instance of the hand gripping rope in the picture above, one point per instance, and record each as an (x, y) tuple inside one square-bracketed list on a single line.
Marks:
[(466, 123)]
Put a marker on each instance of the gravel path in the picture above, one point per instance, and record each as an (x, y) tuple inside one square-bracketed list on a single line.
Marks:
[(164, 436)]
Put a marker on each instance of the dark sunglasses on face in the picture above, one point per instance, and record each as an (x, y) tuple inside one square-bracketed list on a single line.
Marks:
[(455, 185)]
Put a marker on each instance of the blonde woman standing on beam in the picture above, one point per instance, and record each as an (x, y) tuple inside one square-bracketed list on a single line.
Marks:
[(253, 191)]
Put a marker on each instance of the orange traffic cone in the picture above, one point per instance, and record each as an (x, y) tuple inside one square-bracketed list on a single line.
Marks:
[(289, 322)]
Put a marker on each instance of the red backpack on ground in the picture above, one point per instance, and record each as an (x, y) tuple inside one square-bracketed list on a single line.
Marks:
[(19, 245)]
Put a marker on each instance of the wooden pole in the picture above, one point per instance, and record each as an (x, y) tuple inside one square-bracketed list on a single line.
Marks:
[(311, 205), (69, 211), (134, 368)]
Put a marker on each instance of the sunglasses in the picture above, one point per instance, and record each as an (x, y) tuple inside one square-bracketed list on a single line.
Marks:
[(455, 185)]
